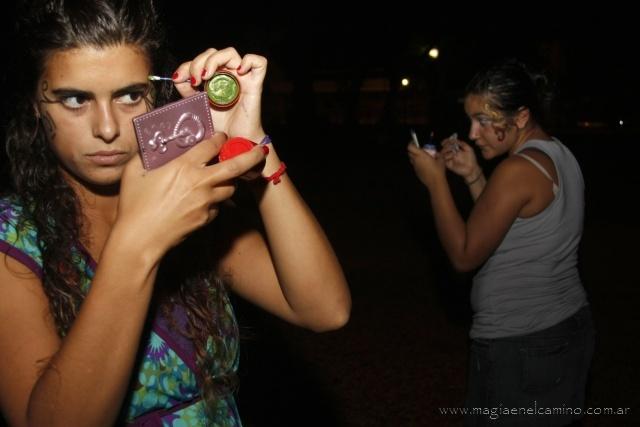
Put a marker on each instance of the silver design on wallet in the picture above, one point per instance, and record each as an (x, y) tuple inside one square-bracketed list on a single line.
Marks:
[(188, 130), (169, 131)]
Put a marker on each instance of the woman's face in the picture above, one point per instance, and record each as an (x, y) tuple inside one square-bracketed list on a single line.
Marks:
[(87, 98), (491, 131)]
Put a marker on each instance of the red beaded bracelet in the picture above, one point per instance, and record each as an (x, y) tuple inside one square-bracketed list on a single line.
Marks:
[(275, 177)]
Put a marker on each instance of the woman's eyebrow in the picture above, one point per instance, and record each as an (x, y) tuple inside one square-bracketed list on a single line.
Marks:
[(68, 92), (136, 87)]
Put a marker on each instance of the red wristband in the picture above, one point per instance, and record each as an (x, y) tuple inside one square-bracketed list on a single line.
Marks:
[(275, 177)]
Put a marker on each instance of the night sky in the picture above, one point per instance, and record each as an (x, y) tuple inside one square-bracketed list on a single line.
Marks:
[(589, 54)]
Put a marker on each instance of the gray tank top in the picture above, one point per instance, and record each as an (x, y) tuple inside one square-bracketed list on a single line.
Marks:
[(531, 281)]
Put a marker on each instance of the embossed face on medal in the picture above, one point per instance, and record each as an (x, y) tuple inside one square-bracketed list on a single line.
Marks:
[(223, 89)]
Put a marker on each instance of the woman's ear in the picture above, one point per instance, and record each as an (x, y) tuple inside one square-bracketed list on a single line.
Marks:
[(523, 116)]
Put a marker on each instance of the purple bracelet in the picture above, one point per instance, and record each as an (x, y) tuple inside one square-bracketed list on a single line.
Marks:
[(266, 140)]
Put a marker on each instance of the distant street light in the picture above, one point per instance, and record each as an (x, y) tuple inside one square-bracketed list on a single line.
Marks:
[(434, 53), (404, 82)]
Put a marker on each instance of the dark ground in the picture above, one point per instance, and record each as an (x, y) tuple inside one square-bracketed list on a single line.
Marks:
[(403, 354)]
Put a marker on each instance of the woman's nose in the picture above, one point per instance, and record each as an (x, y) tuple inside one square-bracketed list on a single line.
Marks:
[(105, 124), (473, 132)]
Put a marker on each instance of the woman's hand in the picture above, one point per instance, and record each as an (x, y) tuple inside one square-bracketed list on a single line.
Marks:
[(244, 118), (459, 158), (429, 169), (160, 207)]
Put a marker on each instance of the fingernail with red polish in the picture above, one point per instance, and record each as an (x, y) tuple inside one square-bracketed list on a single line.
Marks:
[(193, 81), (265, 150), (175, 76), (204, 71)]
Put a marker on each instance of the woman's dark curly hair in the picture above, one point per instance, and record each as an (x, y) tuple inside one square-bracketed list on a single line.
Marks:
[(48, 201)]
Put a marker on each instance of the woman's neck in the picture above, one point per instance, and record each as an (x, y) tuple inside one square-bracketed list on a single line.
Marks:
[(528, 134)]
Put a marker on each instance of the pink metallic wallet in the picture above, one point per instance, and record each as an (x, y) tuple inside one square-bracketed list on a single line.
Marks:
[(165, 133)]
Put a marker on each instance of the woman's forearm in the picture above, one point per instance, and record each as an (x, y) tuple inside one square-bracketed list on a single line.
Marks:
[(476, 183), (85, 382), (450, 226), (311, 277)]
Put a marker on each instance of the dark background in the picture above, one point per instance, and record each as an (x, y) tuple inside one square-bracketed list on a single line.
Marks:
[(335, 110)]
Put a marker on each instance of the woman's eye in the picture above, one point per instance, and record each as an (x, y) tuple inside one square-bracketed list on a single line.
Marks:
[(130, 98), (74, 102), (484, 121)]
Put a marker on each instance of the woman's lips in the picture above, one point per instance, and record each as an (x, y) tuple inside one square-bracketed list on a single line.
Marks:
[(108, 158)]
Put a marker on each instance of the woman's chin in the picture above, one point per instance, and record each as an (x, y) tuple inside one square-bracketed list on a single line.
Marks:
[(487, 154)]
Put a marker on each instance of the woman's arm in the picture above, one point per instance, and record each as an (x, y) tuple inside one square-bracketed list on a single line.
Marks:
[(460, 159), (82, 378), (468, 244), (294, 274)]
